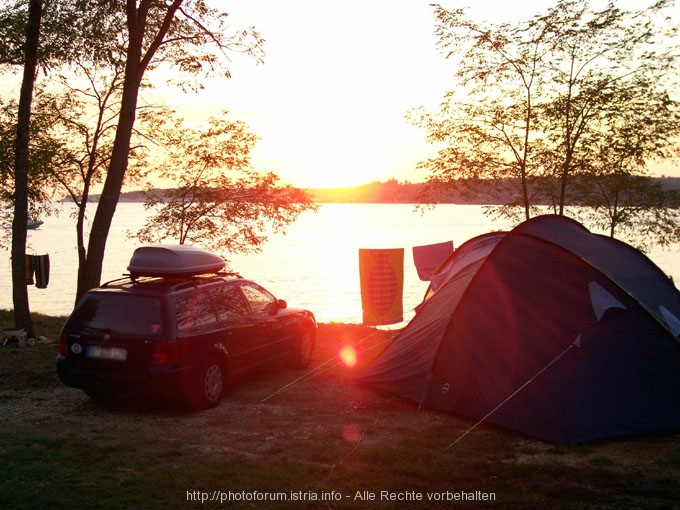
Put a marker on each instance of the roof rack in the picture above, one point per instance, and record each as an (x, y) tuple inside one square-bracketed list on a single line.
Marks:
[(124, 278), (233, 274)]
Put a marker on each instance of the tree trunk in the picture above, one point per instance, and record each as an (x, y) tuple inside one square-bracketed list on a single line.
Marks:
[(22, 312), (563, 186), (89, 274)]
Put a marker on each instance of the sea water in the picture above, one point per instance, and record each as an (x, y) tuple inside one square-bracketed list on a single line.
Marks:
[(314, 265)]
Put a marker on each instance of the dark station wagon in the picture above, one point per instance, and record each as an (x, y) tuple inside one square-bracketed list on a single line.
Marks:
[(176, 328)]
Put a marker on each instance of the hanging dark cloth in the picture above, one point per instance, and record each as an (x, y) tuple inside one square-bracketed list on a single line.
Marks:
[(29, 270), (41, 267), (38, 270)]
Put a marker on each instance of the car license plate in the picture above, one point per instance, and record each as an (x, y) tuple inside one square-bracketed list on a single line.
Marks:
[(108, 353)]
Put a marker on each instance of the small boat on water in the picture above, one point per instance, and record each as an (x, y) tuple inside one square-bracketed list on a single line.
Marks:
[(30, 225)]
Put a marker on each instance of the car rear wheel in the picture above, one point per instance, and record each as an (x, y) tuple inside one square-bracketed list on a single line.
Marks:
[(210, 385), (304, 348)]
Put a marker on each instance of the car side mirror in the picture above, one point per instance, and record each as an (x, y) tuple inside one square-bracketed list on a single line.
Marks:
[(282, 304)]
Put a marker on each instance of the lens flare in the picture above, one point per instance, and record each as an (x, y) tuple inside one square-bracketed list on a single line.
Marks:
[(348, 355), (351, 433)]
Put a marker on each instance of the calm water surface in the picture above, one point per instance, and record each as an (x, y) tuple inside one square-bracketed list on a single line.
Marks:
[(315, 265)]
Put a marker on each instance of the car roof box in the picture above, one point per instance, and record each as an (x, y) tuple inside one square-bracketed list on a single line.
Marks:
[(173, 260)]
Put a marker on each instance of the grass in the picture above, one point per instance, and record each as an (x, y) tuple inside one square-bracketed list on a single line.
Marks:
[(45, 325), (27, 367), (321, 438)]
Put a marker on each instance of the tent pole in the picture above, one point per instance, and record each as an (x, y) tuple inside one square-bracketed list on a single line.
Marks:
[(425, 388)]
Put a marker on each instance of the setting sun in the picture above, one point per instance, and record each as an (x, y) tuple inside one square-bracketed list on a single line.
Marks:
[(329, 108)]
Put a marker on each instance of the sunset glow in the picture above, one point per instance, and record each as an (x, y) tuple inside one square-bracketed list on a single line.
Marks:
[(329, 102)]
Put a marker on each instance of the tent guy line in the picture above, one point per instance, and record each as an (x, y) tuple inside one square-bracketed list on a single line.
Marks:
[(511, 396), (326, 365)]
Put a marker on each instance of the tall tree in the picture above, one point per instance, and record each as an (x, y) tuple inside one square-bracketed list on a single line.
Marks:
[(487, 125), (537, 102), (185, 33), (22, 315), (65, 26), (52, 31), (86, 114), (610, 69), (622, 200), (217, 199), (44, 150)]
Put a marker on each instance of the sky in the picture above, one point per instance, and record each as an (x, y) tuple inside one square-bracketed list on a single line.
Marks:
[(328, 104)]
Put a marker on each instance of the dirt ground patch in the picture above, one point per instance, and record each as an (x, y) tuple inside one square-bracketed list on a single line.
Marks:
[(266, 416), (322, 422)]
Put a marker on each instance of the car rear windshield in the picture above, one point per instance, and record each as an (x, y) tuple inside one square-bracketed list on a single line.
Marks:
[(118, 313)]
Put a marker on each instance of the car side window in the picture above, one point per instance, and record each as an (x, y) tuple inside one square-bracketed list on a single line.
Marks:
[(195, 312), (229, 302), (259, 299)]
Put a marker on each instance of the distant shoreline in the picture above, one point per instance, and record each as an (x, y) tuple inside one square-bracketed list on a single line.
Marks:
[(390, 192)]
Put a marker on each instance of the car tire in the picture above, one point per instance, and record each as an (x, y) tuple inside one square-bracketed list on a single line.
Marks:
[(210, 384), (304, 347)]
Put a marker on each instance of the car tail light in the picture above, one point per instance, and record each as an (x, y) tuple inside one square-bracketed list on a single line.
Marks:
[(164, 353), (63, 344)]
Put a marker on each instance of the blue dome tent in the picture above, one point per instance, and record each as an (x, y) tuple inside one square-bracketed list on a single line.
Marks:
[(548, 330)]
